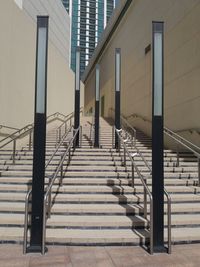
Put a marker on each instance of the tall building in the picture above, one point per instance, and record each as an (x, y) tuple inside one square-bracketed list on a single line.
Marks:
[(89, 18), (66, 4)]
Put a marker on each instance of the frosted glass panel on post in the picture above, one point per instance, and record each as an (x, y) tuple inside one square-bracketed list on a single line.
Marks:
[(41, 68), (97, 82), (78, 69), (117, 68), (158, 73)]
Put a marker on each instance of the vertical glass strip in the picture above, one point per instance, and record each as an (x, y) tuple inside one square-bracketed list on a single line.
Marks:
[(78, 69), (41, 65), (97, 82), (117, 69), (158, 73)]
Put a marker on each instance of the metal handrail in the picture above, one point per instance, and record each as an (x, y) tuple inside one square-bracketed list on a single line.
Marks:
[(92, 130), (58, 146), (141, 155), (28, 195), (27, 198), (169, 223), (186, 143), (168, 200), (47, 195), (144, 179), (68, 118), (146, 190), (13, 135), (130, 126), (123, 119), (28, 129), (179, 140)]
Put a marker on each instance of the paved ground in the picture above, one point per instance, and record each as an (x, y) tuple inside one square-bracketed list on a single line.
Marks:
[(184, 255)]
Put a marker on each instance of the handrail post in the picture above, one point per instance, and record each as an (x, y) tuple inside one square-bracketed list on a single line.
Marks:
[(30, 138), (44, 226), (133, 173), (145, 199), (132, 141), (74, 142), (69, 156), (177, 153), (113, 136), (59, 134), (49, 205), (169, 227), (124, 163), (80, 135), (61, 172), (26, 223), (199, 170), (135, 138), (56, 138), (14, 150), (151, 226)]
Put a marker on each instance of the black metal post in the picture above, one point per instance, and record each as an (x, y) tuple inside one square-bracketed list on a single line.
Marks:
[(39, 135), (117, 93), (97, 87), (77, 96), (157, 137)]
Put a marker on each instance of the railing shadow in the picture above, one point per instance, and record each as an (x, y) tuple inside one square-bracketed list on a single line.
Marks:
[(133, 207)]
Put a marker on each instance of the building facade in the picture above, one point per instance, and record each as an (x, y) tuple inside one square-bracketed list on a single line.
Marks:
[(181, 66), (18, 54), (89, 18)]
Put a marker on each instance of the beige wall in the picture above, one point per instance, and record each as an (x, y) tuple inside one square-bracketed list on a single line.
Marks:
[(17, 70), (182, 63)]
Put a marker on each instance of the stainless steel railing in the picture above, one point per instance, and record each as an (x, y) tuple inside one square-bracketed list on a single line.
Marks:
[(126, 124), (28, 129), (168, 197), (47, 198), (92, 131), (13, 139), (47, 204), (59, 130), (68, 118), (186, 144), (27, 198), (179, 140), (146, 189)]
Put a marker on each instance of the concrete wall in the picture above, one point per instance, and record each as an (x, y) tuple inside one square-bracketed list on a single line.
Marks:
[(17, 67), (59, 30), (182, 63)]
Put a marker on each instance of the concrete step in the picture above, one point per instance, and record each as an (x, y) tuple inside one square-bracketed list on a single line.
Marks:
[(26, 181), (100, 237), (96, 221)]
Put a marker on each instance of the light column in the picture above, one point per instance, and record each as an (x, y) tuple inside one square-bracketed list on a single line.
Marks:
[(97, 89), (117, 93), (77, 95), (157, 137), (39, 135)]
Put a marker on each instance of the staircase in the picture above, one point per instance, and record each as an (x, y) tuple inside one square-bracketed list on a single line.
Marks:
[(97, 204)]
